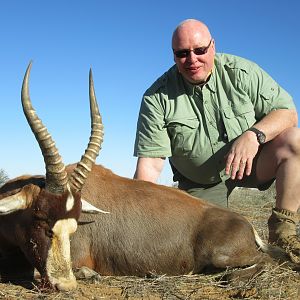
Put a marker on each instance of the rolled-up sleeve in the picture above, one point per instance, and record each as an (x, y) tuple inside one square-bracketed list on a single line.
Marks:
[(152, 138), (265, 93)]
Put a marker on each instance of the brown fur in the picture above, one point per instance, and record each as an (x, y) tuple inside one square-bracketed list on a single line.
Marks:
[(30, 230), (157, 229), (151, 229)]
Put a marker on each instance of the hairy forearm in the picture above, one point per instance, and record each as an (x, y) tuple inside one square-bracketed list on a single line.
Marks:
[(276, 122), (149, 169)]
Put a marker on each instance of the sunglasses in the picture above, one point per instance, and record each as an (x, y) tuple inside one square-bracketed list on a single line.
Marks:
[(186, 52)]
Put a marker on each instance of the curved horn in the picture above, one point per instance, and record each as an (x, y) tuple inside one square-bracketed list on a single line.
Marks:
[(83, 168), (56, 175)]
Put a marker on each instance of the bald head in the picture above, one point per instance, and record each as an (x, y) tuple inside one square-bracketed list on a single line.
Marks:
[(190, 29), (194, 50)]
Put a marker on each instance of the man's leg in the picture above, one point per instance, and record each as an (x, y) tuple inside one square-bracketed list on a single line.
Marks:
[(280, 158), (214, 193)]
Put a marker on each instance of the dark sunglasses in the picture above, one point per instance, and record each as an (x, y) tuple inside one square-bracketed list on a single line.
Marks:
[(186, 52)]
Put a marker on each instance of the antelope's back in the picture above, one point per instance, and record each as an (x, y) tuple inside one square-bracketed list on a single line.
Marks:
[(148, 227)]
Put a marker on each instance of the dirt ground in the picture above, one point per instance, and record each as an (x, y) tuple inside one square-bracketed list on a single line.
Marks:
[(274, 282)]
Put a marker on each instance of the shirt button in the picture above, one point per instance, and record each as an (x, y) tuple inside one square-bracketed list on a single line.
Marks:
[(225, 137), (212, 178)]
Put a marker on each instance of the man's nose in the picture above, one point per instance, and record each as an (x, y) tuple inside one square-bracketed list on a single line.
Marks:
[(192, 56)]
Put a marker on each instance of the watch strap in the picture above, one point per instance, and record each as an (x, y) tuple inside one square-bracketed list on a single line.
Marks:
[(261, 137)]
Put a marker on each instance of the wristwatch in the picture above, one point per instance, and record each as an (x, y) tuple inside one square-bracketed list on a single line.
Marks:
[(261, 137)]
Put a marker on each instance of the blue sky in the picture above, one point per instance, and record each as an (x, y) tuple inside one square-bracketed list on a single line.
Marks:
[(127, 44)]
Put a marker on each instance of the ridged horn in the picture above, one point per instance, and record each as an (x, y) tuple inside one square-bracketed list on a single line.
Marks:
[(56, 175), (80, 173)]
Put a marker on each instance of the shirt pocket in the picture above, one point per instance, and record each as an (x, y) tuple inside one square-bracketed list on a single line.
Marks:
[(182, 133), (268, 93), (237, 119)]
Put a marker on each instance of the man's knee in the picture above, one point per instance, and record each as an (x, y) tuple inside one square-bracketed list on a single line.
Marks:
[(290, 139), (284, 147)]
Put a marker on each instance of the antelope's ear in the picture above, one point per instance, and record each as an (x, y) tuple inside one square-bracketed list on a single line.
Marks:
[(18, 201), (90, 209)]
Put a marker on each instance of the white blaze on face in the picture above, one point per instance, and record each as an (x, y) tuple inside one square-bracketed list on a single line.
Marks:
[(59, 265)]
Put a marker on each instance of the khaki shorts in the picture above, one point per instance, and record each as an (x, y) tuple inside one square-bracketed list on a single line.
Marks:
[(218, 193)]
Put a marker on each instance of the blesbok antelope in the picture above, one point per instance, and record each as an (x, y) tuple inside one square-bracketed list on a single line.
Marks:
[(154, 229), (38, 214)]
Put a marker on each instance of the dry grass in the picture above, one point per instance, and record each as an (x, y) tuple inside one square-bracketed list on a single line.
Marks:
[(274, 282)]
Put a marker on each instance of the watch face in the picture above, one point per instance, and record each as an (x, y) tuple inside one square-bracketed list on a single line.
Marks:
[(261, 137)]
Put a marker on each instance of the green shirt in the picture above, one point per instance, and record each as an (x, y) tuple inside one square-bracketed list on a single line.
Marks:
[(193, 125)]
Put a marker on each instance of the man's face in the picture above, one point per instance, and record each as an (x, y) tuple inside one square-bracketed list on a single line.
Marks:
[(194, 68)]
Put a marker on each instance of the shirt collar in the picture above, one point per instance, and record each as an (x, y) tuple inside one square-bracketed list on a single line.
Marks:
[(210, 84)]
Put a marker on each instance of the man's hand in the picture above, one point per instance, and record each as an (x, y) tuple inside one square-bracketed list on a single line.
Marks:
[(240, 157)]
